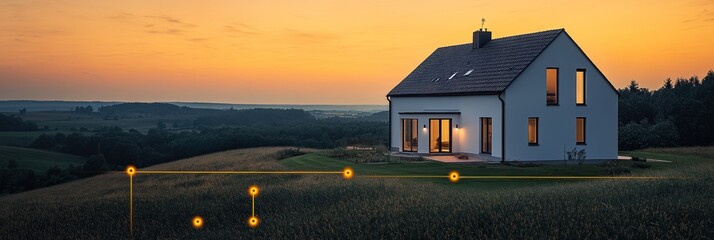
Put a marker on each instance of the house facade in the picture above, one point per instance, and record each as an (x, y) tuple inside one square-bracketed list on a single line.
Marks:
[(529, 97)]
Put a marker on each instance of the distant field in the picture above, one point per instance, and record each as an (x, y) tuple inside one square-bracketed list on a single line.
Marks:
[(37, 160), (327, 206)]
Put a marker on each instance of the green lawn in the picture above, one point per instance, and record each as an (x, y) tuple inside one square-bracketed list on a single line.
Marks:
[(37, 160), (317, 161)]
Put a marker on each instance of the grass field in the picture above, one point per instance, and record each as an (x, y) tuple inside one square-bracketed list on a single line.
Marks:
[(327, 206), (22, 138), (37, 160)]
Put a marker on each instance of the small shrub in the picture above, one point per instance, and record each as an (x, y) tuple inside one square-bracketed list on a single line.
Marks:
[(641, 165), (639, 159), (462, 156), (287, 153), (576, 155)]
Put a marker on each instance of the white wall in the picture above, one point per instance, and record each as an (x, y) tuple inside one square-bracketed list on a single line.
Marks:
[(467, 137), (525, 98)]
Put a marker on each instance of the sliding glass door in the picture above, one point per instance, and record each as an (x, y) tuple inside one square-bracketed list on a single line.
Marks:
[(440, 135)]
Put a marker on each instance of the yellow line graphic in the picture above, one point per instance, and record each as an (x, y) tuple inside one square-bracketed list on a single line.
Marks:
[(233, 172)]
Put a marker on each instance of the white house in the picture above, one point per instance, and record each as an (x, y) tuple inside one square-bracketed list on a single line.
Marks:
[(527, 97)]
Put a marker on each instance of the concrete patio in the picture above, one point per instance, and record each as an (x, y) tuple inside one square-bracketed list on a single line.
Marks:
[(451, 158)]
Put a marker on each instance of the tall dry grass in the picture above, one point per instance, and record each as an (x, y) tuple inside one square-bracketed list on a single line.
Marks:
[(328, 207)]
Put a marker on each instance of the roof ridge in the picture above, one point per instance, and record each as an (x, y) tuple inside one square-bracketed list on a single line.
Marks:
[(507, 37), (533, 33)]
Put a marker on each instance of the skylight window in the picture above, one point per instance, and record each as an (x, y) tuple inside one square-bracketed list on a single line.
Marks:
[(468, 72), (452, 75)]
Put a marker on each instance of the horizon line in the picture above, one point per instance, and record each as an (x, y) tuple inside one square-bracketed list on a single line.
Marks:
[(192, 102)]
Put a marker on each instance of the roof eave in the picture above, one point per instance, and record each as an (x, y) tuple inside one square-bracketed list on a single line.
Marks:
[(444, 94)]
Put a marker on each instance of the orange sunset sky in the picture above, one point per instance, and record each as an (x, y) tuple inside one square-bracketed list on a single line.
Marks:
[(314, 52)]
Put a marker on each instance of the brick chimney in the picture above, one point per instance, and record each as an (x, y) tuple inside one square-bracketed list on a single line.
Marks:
[(481, 37)]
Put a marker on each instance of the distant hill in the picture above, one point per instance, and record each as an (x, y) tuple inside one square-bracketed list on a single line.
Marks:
[(35, 106), (152, 109), (378, 117), (247, 117)]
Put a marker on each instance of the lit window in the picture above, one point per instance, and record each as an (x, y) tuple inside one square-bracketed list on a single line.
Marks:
[(410, 135), (580, 87), (580, 130), (533, 131), (551, 85)]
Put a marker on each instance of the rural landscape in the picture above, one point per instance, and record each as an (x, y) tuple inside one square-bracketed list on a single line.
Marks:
[(233, 119), (76, 159)]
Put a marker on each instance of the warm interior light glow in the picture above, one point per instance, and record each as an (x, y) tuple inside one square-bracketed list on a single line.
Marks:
[(532, 130), (580, 86), (440, 135), (580, 130), (486, 135)]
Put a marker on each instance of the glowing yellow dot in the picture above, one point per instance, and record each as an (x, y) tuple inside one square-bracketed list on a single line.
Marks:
[(197, 222), (454, 176), (253, 221), (348, 173), (253, 190), (131, 170)]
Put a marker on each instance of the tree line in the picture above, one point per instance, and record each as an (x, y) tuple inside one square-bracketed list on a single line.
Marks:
[(13, 123), (119, 148), (679, 113)]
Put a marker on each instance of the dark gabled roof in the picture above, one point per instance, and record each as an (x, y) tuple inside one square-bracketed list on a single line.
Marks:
[(494, 66)]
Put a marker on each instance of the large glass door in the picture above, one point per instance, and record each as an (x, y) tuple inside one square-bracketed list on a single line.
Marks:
[(486, 135), (440, 135), (409, 135)]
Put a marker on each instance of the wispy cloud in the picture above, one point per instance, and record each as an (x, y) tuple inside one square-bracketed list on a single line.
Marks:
[(172, 20), (241, 29), (197, 40), (171, 31), (121, 16), (703, 16), (308, 37)]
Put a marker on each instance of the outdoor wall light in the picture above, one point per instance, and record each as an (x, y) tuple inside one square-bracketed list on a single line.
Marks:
[(424, 126), (457, 126)]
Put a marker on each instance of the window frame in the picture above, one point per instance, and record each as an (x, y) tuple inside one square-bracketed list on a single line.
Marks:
[(585, 127), (451, 135), (490, 122), (536, 131), (585, 86), (412, 148), (557, 86)]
